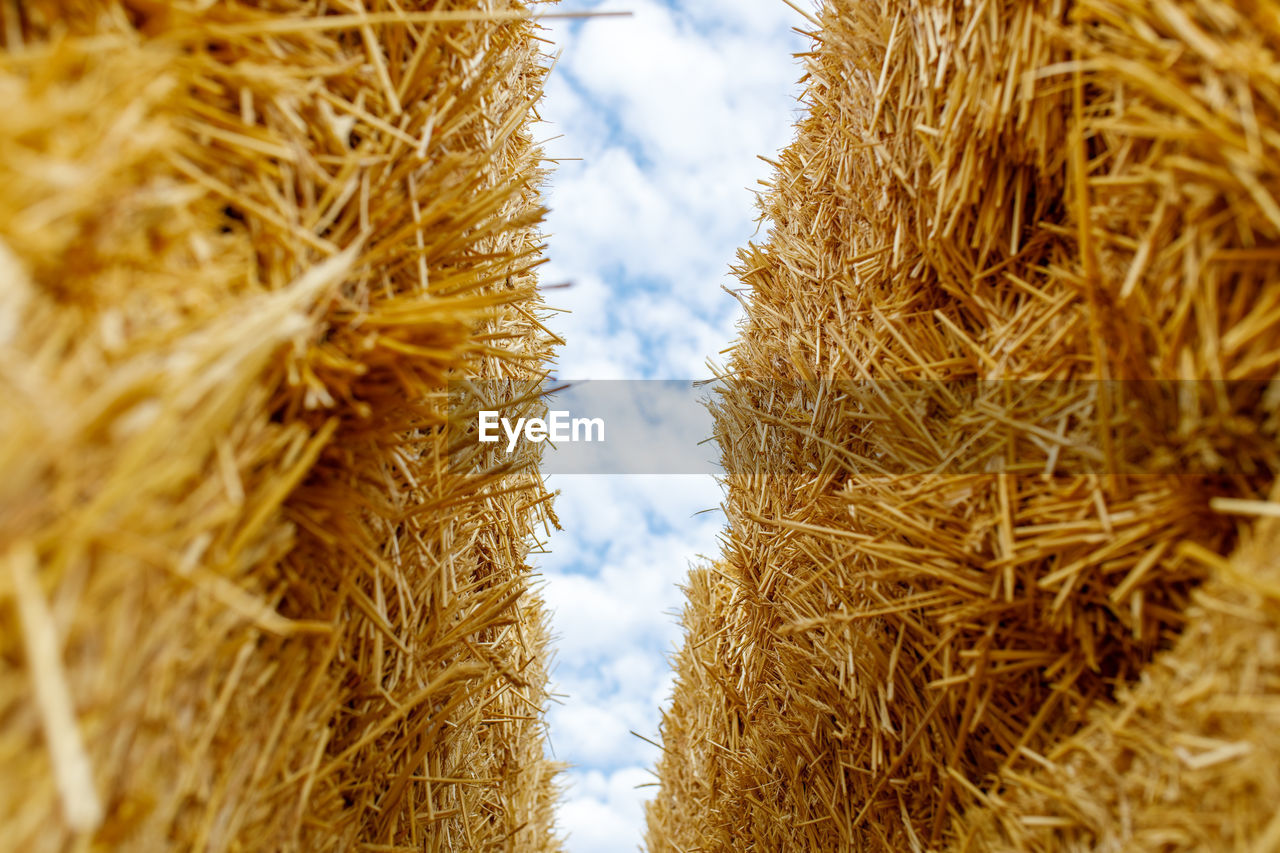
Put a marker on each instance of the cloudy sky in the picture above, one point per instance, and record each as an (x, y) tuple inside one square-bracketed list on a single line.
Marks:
[(668, 110)]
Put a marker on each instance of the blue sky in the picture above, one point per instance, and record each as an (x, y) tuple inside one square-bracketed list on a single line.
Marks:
[(668, 110)]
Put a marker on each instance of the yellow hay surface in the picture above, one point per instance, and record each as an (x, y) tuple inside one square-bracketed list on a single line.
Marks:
[(1186, 759), (967, 499), (247, 599)]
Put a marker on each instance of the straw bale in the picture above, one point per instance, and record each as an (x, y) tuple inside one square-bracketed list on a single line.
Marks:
[(1185, 759), (252, 595), (704, 728), (1012, 331)]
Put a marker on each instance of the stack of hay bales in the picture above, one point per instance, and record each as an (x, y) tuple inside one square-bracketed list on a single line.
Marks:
[(1003, 401), (253, 595)]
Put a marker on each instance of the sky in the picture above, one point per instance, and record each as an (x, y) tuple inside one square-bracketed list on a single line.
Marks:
[(667, 111)]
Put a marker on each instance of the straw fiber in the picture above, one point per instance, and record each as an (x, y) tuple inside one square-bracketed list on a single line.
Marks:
[(1006, 374), (247, 599)]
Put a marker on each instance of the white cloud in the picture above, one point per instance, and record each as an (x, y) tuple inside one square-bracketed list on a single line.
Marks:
[(605, 810), (612, 585), (680, 93), (669, 110)]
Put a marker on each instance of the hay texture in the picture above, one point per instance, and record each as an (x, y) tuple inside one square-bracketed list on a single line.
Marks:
[(252, 597), (1186, 758), (1012, 333)]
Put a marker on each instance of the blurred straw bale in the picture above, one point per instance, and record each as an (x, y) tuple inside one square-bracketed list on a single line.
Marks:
[(1014, 329), (251, 596), (1186, 758)]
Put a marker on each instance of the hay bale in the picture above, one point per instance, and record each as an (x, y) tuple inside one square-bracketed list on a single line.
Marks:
[(249, 599), (1012, 331), (1186, 758), (704, 728)]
